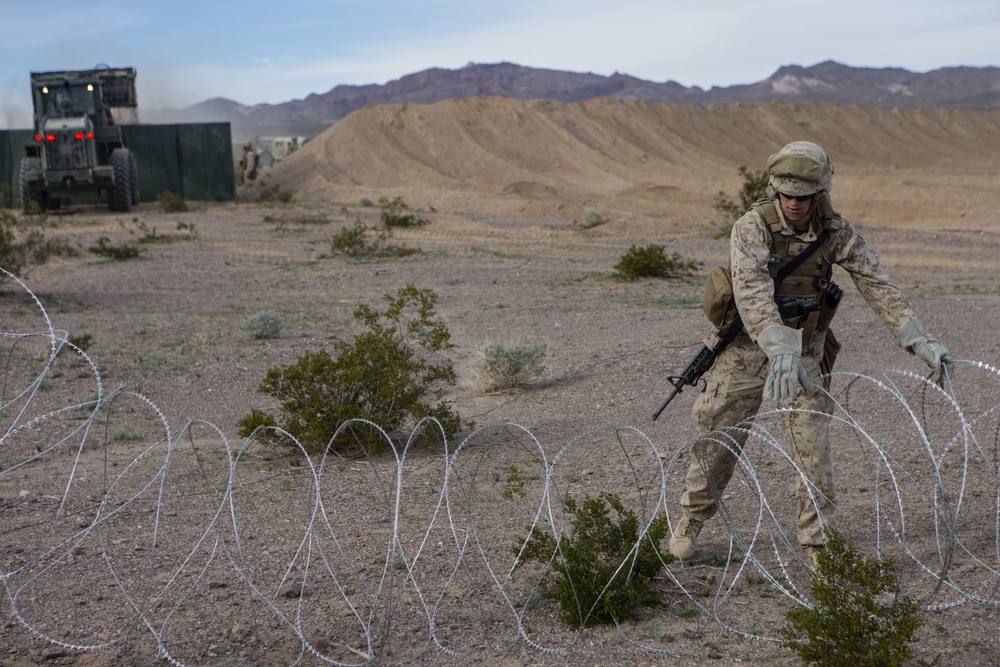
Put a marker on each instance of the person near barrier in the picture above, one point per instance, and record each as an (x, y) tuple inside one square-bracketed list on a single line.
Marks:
[(779, 282), (248, 165)]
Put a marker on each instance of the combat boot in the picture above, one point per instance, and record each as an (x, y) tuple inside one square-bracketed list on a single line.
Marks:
[(682, 540)]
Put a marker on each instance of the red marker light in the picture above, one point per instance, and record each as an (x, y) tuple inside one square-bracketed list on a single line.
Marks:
[(50, 137), (90, 135), (79, 135), (38, 137)]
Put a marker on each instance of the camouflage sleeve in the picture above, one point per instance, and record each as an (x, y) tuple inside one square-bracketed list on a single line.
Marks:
[(753, 288), (861, 261)]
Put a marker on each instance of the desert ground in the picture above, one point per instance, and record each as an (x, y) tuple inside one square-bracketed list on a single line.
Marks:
[(136, 526)]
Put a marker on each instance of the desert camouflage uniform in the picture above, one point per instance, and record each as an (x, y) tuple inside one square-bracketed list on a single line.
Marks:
[(248, 165), (735, 387)]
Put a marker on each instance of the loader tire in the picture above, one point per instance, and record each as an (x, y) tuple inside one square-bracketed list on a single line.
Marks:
[(134, 174), (120, 193), (28, 198)]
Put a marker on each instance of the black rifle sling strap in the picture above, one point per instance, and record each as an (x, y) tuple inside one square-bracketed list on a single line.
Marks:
[(769, 213), (796, 261)]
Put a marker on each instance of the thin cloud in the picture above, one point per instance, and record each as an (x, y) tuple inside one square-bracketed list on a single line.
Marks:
[(262, 52)]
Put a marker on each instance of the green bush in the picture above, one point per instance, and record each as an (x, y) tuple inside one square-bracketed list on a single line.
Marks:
[(263, 325), (119, 252), (7, 196), (187, 232), (360, 240), (171, 203), (652, 262), (753, 189), (81, 342), (23, 244), (381, 376), (848, 625), (593, 587), (395, 213), (507, 366), (353, 241), (255, 419)]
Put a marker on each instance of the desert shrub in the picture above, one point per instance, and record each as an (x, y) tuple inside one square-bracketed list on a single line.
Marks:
[(360, 240), (652, 262), (752, 189), (80, 342), (263, 325), (302, 220), (365, 201), (258, 419), (187, 232), (848, 624), (384, 376), (507, 366), (171, 202), (591, 218), (603, 569), (352, 241), (266, 190), (23, 244), (7, 196), (118, 252), (396, 213)]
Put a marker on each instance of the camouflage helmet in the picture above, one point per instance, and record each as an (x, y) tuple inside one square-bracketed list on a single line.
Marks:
[(247, 145), (800, 168)]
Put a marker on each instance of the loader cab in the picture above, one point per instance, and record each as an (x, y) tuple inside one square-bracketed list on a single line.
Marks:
[(67, 99)]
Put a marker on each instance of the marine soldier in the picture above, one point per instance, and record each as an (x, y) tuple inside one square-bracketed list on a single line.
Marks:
[(248, 164), (786, 344)]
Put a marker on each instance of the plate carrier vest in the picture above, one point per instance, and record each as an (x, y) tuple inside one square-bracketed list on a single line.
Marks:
[(807, 297)]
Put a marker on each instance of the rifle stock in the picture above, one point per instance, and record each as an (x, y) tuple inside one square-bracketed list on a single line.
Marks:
[(701, 362)]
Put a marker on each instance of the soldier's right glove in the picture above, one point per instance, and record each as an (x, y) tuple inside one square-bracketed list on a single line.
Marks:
[(783, 347), (915, 339)]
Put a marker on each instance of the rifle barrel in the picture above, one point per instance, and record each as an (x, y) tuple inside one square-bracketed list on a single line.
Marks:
[(677, 390)]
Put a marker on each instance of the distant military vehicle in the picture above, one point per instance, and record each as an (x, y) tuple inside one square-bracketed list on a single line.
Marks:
[(276, 149), (78, 145)]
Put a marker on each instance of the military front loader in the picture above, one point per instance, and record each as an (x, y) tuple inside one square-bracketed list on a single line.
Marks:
[(78, 148)]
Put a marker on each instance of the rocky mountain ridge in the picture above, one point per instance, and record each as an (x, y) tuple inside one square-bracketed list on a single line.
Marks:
[(949, 87)]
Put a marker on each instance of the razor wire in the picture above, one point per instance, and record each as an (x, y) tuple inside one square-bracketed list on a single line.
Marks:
[(122, 533)]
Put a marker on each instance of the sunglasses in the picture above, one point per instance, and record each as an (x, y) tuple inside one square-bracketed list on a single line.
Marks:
[(798, 197)]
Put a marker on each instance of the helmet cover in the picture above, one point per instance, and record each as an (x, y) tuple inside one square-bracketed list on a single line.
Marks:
[(801, 168)]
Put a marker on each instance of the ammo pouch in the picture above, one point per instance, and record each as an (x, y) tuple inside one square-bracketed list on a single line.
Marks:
[(808, 314), (719, 304)]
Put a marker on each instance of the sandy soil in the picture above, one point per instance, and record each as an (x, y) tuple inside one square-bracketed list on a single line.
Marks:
[(502, 183)]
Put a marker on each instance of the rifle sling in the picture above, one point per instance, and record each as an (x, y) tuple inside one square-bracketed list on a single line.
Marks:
[(780, 276), (796, 262)]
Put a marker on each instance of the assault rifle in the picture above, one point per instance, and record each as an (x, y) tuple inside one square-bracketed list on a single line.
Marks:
[(701, 362), (787, 308)]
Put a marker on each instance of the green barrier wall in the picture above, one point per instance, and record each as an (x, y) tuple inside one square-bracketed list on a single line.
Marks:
[(194, 160)]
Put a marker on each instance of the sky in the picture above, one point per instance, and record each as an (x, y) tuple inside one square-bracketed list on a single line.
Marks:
[(254, 52)]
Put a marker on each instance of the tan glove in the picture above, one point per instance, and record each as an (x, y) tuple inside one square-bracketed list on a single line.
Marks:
[(914, 339), (783, 347)]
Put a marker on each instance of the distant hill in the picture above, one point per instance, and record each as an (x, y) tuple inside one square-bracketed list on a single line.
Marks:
[(949, 87), (549, 159)]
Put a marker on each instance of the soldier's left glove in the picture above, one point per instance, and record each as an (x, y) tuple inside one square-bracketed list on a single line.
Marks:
[(914, 339), (783, 347)]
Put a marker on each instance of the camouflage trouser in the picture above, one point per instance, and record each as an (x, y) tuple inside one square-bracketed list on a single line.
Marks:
[(733, 395)]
